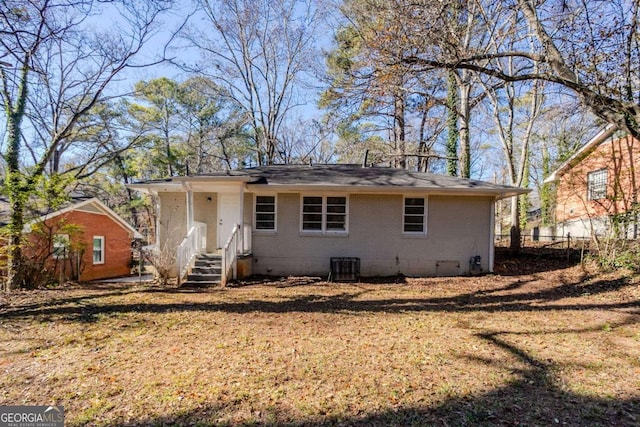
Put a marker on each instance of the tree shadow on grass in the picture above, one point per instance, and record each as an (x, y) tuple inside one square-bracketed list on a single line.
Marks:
[(533, 399), (91, 307), (535, 260)]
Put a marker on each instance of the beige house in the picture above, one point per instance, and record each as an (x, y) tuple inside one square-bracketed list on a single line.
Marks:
[(310, 220)]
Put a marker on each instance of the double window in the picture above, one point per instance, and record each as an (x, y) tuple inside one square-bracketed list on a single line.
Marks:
[(414, 218), (597, 184), (265, 213), (324, 214)]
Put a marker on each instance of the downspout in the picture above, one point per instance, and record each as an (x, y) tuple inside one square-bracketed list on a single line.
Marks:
[(492, 236), (241, 222), (156, 200)]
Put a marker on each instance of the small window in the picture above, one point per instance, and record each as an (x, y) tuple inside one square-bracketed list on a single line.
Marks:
[(597, 185), (98, 249), (312, 214), (324, 214), (60, 246), (265, 218), (336, 214), (414, 215)]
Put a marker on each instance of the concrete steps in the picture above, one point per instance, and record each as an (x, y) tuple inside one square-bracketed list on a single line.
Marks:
[(207, 271)]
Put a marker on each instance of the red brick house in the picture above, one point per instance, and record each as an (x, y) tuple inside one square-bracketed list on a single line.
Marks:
[(597, 187), (84, 241)]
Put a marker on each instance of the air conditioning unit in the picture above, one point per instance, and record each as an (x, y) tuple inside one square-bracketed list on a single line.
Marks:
[(345, 269)]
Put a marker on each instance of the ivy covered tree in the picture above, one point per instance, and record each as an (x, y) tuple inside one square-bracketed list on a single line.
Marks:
[(57, 64), (589, 48)]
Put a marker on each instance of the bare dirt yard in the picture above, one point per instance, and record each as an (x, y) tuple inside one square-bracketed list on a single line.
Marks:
[(539, 343)]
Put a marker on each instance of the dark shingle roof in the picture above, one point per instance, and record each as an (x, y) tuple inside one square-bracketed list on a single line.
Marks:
[(355, 175), (343, 176)]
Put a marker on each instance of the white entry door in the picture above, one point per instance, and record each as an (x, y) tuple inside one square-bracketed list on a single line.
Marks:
[(228, 216)]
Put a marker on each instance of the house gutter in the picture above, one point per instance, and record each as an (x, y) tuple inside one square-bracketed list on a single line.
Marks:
[(179, 183), (492, 236), (499, 193)]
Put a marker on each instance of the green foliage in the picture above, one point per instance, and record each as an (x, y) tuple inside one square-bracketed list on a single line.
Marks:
[(547, 191), (616, 250), (342, 63), (547, 203), (41, 266), (50, 191), (355, 139), (619, 254), (187, 127)]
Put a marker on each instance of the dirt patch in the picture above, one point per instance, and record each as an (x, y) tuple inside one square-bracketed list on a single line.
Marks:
[(556, 347)]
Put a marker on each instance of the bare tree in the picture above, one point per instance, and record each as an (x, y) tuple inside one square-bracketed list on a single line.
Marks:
[(260, 53), (589, 47), (58, 63)]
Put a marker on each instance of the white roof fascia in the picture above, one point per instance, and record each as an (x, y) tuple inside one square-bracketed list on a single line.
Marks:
[(156, 187), (498, 193), (225, 178), (181, 183)]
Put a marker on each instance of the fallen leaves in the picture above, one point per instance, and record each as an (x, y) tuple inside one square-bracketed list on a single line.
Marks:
[(302, 351)]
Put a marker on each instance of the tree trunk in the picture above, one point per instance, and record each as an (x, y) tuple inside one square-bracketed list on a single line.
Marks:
[(514, 244), (399, 131), (465, 137), (423, 160), (14, 259), (452, 125), (14, 180)]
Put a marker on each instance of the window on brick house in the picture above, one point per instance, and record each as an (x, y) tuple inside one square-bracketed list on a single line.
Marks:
[(60, 246), (597, 184), (98, 249)]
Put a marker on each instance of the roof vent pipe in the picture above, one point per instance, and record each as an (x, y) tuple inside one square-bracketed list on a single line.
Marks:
[(364, 161)]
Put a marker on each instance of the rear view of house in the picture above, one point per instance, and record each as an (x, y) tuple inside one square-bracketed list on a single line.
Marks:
[(294, 219), (597, 188)]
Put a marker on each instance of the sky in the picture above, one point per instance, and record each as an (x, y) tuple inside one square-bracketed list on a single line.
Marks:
[(177, 51)]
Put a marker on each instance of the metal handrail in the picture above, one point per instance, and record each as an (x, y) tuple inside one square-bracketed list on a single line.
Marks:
[(193, 243), (230, 256)]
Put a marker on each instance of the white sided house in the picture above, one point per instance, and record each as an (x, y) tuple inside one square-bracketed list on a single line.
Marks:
[(328, 219)]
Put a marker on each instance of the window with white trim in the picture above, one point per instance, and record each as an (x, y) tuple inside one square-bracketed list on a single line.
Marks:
[(414, 215), (324, 214), (265, 213), (60, 246), (98, 249), (597, 184)]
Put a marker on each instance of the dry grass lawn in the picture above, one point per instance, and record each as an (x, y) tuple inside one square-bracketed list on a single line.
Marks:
[(559, 347)]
